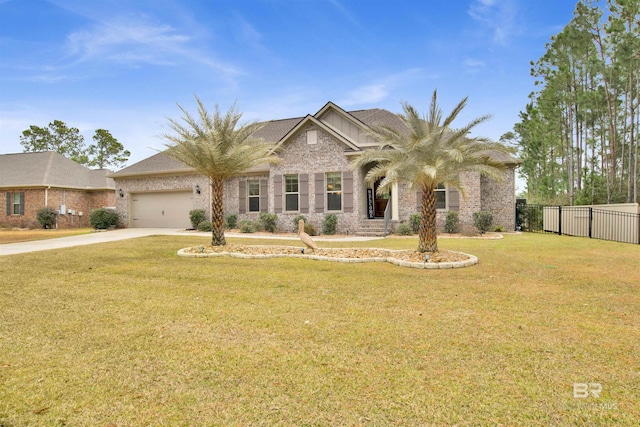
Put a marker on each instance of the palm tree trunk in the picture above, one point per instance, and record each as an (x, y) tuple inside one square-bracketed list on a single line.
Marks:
[(427, 235), (217, 213)]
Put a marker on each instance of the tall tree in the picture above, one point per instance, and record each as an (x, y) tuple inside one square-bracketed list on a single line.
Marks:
[(106, 150), (587, 108), (56, 137), (431, 153), (219, 147)]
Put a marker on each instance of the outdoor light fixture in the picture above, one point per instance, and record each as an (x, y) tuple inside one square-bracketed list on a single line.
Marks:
[(426, 257), (121, 193), (197, 189)]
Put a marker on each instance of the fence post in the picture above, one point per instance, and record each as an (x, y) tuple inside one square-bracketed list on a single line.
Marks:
[(590, 221), (559, 220)]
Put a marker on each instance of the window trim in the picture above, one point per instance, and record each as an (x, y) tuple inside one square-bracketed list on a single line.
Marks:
[(287, 193), (11, 205), (441, 189), (253, 196), (333, 191)]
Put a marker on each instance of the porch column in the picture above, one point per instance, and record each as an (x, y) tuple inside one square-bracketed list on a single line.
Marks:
[(394, 202)]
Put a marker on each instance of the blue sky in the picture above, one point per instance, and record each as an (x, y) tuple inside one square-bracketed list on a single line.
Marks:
[(122, 65)]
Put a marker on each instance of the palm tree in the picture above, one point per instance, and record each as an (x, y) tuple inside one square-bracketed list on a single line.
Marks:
[(428, 153), (216, 146)]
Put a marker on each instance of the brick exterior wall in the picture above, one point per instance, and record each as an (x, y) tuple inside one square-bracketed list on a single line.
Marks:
[(471, 201), (158, 184), (499, 199), (328, 155), (75, 200)]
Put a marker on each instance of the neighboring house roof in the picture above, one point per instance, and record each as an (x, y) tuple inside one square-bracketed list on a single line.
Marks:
[(50, 168)]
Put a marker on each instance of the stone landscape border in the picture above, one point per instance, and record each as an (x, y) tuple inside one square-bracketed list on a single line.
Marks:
[(471, 261)]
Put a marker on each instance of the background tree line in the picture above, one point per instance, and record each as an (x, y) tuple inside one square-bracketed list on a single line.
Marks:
[(105, 150), (578, 137)]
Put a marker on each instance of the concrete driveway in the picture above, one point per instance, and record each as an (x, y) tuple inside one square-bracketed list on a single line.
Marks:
[(132, 233)]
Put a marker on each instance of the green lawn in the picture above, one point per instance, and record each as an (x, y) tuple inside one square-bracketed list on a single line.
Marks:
[(129, 334)]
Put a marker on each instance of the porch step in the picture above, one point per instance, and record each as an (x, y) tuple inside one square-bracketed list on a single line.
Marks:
[(372, 227)]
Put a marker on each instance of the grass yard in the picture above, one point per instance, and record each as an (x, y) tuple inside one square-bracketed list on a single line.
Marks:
[(128, 334), (11, 235)]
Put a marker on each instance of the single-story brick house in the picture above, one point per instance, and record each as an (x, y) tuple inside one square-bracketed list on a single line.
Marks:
[(313, 179), (32, 181)]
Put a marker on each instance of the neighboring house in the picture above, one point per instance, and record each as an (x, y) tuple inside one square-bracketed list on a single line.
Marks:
[(313, 179), (32, 181)]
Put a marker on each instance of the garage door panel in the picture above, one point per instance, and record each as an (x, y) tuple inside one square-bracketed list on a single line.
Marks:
[(161, 210)]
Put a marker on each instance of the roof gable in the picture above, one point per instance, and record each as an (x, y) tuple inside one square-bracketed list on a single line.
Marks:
[(309, 119), (50, 168)]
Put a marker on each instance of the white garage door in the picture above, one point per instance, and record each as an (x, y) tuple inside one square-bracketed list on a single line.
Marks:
[(170, 209)]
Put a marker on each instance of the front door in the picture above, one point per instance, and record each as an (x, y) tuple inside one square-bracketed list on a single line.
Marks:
[(379, 200)]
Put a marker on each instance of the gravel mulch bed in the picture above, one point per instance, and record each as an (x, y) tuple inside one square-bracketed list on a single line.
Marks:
[(342, 253)]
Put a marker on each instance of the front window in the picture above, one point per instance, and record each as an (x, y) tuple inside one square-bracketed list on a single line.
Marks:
[(334, 191), (254, 195), (441, 197), (16, 203), (291, 192)]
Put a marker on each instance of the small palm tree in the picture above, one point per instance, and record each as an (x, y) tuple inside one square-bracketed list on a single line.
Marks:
[(216, 146), (426, 154)]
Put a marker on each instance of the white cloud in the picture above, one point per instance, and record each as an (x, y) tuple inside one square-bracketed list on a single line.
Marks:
[(135, 40), (379, 90), (498, 15), (366, 94), (473, 65)]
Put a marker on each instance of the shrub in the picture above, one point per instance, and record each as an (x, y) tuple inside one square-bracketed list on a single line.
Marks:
[(298, 218), (414, 220), (309, 228), (204, 226), (103, 218), (268, 222), (247, 226), (329, 224), (404, 229), (231, 221), (452, 222), (197, 216), (498, 229), (482, 220), (47, 217)]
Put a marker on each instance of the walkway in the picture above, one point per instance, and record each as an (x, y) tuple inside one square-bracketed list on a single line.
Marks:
[(132, 233)]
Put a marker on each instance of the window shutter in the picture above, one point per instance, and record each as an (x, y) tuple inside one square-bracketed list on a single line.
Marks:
[(264, 199), (242, 202), (347, 191), (453, 199), (9, 204), (303, 181), (319, 181), (277, 193), (21, 203)]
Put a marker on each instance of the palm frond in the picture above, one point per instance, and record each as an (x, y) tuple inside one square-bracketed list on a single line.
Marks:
[(215, 144)]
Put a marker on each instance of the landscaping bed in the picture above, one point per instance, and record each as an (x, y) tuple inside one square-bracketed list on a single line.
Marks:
[(404, 258)]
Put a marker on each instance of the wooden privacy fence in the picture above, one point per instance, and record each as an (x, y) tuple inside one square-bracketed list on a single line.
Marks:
[(619, 223)]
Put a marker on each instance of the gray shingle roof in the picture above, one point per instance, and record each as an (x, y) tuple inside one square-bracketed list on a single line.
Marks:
[(275, 130), (158, 163), (272, 131), (50, 169)]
